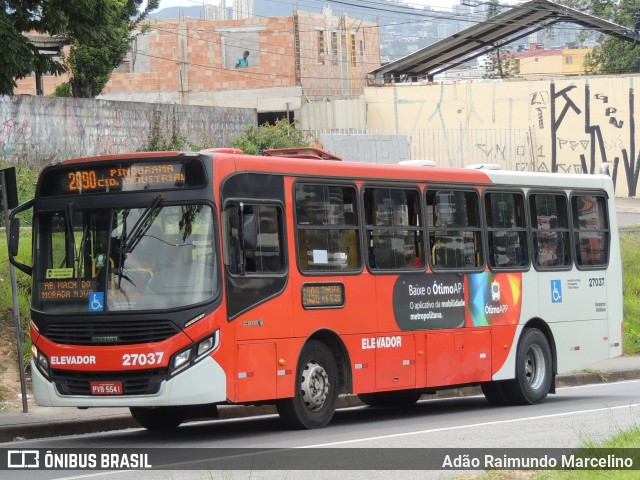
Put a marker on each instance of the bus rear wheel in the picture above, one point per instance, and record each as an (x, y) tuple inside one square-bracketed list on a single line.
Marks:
[(534, 370), (316, 389), (400, 399), (495, 394), (159, 418)]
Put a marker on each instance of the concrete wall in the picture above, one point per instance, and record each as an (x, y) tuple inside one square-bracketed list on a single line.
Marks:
[(41, 130), (353, 147), (336, 114), (574, 124)]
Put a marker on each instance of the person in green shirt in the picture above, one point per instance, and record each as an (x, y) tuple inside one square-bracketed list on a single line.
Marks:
[(243, 61)]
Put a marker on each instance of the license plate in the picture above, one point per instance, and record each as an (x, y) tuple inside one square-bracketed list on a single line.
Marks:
[(106, 388)]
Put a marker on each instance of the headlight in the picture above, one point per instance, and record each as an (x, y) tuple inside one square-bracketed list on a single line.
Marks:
[(194, 353), (181, 358), (41, 361), (208, 344)]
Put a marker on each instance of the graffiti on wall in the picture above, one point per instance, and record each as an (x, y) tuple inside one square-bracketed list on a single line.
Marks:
[(48, 129), (609, 132)]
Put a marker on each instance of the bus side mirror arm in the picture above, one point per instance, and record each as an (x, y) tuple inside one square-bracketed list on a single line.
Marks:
[(14, 237)]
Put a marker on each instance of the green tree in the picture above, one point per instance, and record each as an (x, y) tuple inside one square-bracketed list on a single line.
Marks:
[(612, 55), (18, 57), (100, 32), (502, 64), (93, 56), (281, 135)]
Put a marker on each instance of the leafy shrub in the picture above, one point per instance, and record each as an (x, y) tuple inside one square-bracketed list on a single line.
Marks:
[(281, 135)]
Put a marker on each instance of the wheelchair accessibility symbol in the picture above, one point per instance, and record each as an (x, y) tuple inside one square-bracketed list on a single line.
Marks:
[(556, 291), (96, 301)]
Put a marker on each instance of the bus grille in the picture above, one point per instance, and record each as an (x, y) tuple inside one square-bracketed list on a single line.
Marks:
[(112, 333), (143, 382)]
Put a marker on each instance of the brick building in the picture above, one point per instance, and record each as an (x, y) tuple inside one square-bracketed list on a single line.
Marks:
[(306, 55)]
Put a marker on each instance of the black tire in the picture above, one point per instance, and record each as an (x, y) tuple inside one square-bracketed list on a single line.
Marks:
[(316, 389), (159, 418), (494, 393), (533, 370), (401, 399)]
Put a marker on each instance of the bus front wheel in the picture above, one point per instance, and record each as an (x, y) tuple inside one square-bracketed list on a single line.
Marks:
[(316, 389), (159, 418), (534, 370)]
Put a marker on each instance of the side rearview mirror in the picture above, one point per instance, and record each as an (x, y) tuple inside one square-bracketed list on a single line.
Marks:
[(14, 236)]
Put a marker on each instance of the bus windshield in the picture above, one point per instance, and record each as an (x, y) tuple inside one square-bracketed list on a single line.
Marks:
[(110, 260)]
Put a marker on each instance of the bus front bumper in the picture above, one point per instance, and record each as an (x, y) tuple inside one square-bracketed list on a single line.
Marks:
[(203, 383)]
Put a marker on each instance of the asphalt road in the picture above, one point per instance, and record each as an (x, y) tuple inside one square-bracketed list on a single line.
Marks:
[(628, 219), (565, 420)]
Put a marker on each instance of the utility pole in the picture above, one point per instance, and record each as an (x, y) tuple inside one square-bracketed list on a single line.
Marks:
[(9, 201)]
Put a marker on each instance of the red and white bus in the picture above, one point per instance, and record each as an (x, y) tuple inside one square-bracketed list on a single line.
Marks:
[(167, 280)]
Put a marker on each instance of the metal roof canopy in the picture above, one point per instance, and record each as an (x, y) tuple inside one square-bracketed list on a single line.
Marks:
[(495, 32)]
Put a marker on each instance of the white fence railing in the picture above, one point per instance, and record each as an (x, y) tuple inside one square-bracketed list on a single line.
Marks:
[(511, 149)]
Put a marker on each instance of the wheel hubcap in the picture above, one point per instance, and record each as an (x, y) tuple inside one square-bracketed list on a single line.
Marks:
[(534, 367), (314, 386)]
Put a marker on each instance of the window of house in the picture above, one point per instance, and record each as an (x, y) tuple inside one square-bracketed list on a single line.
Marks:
[(590, 230), (327, 228), (393, 229), (320, 48), (334, 48), (453, 222), (569, 59), (352, 58), (506, 230), (550, 229)]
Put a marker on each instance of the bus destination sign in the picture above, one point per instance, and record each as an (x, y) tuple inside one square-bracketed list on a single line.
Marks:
[(121, 178), (124, 177)]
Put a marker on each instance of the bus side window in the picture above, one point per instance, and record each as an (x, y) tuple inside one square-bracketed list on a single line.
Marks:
[(393, 228), (550, 229), (327, 227), (454, 229), (506, 230), (590, 230)]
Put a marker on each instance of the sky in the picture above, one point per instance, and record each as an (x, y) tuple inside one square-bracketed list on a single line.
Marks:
[(436, 4)]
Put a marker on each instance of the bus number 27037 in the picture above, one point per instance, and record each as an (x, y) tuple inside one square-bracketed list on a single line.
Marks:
[(133, 359), (596, 282)]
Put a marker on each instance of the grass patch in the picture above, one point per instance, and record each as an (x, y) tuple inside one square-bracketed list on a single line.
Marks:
[(630, 246), (24, 296)]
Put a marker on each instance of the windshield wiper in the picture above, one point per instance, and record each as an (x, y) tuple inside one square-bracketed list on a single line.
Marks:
[(70, 244), (143, 224), (81, 262), (137, 232)]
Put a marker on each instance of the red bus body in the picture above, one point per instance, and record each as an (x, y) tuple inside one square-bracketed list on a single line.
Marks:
[(255, 352)]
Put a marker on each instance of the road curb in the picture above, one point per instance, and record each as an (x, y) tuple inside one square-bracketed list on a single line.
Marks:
[(30, 429)]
